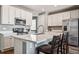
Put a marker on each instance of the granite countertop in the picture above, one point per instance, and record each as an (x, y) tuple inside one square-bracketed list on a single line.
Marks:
[(35, 38), (32, 38), (26, 37)]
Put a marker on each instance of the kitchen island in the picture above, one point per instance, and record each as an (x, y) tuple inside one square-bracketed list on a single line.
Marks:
[(23, 44), (26, 44)]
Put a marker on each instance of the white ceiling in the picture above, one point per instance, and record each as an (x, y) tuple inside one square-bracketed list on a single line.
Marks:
[(46, 8)]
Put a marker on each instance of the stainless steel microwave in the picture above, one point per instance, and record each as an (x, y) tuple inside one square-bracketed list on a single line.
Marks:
[(20, 21)]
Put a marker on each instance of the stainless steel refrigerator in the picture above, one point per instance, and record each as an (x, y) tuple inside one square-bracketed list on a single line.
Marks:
[(72, 26)]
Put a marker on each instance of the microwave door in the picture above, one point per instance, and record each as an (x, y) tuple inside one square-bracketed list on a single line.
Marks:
[(20, 22)]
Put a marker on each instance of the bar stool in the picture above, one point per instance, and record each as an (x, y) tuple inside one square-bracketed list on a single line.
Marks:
[(50, 48)]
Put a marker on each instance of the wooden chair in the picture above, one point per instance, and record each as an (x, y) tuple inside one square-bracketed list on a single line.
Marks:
[(50, 48), (64, 46)]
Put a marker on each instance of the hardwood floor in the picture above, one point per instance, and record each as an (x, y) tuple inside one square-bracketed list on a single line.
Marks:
[(12, 52), (8, 52)]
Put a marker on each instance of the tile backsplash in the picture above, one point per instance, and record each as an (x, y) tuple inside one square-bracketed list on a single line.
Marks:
[(4, 27)]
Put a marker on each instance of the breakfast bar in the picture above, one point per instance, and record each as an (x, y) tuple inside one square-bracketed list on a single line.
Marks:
[(26, 44)]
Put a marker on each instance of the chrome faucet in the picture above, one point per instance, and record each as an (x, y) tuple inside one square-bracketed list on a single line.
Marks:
[(42, 28), (27, 27)]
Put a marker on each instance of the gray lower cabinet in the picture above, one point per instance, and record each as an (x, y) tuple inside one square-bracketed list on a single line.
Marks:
[(24, 47), (28, 47)]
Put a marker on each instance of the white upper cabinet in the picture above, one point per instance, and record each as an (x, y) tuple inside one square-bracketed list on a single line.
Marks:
[(66, 15), (41, 20), (5, 14), (28, 18), (18, 13), (11, 15), (50, 20), (59, 19), (74, 14), (55, 20), (23, 14)]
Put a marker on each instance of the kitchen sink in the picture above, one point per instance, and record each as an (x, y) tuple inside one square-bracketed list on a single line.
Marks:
[(37, 33)]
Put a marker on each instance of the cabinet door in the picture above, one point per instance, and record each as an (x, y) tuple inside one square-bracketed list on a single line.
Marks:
[(11, 41), (42, 20), (66, 15), (30, 47), (23, 14), (18, 13), (6, 43), (5, 14), (59, 19), (74, 14), (11, 15), (18, 46), (28, 18), (55, 20), (50, 20)]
